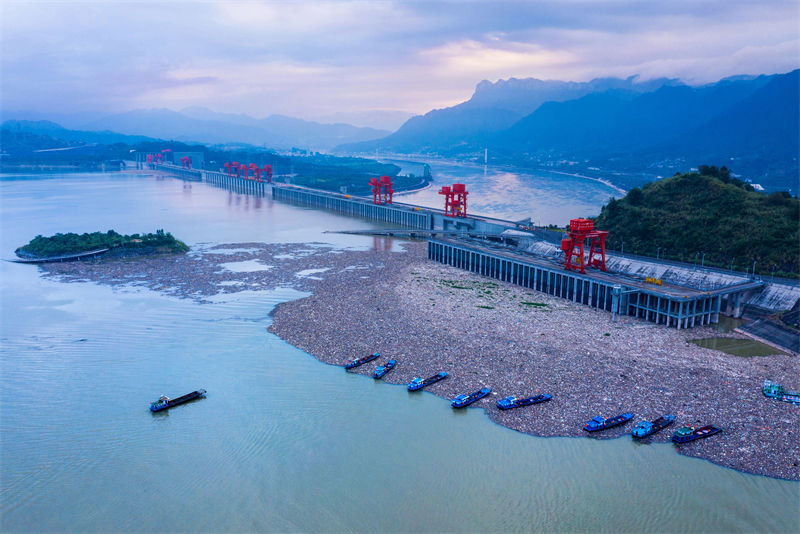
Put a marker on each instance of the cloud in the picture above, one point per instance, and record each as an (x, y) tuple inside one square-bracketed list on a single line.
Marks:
[(316, 58)]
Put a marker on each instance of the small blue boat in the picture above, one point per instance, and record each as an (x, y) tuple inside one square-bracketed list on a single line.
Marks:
[(462, 401), (511, 402), (360, 361), (383, 369), (601, 423), (690, 433), (648, 428), (419, 383), (165, 402)]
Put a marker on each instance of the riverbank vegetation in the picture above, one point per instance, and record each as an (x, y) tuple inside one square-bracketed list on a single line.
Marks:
[(708, 217), (70, 243)]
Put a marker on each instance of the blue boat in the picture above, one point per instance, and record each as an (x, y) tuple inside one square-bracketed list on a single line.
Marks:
[(165, 402), (690, 433), (360, 361), (511, 402), (462, 401), (419, 383), (601, 423), (648, 428), (383, 369)]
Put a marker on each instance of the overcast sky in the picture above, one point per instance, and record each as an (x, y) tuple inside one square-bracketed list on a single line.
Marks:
[(310, 59)]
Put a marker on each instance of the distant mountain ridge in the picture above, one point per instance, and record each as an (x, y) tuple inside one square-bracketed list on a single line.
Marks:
[(57, 132), (493, 108), (749, 123), (202, 125), (205, 126), (613, 119)]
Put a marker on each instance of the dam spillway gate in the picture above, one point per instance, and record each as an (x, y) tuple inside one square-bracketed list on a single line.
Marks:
[(674, 306), (670, 305)]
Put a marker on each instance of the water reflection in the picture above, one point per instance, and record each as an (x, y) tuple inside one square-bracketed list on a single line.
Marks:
[(545, 197)]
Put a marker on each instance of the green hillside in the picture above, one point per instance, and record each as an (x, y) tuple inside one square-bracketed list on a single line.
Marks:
[(708, 212)]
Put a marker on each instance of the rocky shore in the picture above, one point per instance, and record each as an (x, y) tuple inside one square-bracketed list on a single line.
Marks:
[(483, 332)]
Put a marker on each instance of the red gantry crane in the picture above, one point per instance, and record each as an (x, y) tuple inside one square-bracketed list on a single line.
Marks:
[(579, 231), (455, 200), (382, 191)]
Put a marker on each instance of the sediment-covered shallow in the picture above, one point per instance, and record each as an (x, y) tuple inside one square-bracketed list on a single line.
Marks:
[(483, 332)]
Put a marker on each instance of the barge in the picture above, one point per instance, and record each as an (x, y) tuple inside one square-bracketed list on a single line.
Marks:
[(361, 361), (419, 383), (601, 423), (462, 401), (690, 433), (511, 401), (648, 428), (165, 402)]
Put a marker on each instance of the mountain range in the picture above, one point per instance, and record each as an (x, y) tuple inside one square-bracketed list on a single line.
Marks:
[(201, 125), (632, 129), (749, 123), (493, 108)]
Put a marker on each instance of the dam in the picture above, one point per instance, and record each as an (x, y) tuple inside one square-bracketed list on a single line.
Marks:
[(500, 249)]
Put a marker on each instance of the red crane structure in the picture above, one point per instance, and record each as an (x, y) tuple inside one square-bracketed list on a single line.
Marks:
[(382, 191), (187, 162), (579, 231), (455, 200), (240, 168), (256, 171)]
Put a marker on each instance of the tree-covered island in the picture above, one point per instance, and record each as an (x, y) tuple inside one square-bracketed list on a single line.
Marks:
[(70, 243)]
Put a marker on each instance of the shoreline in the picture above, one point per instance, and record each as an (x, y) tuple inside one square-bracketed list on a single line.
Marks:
[(485, 333)]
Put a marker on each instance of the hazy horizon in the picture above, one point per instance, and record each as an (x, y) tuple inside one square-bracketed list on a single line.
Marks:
[(317, 60)]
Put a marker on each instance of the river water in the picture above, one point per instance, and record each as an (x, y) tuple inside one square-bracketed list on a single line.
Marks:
[(282, 442), (545, 197)]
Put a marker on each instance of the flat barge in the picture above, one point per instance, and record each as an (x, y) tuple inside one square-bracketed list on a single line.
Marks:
[(419, 383), (165, 402), (462, 401), (511, 402), (361, 361), (601, 423)]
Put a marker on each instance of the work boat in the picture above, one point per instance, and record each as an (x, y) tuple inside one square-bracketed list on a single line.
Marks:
[(601, 423), (777, 392), (419, 383), (462, 401), (648, 428), (165, 402), (511, 401), (690, 433), (361, 361), (381, 370)]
